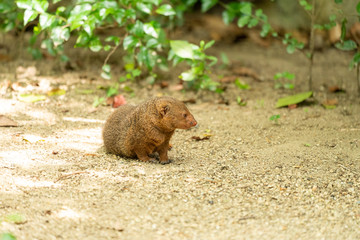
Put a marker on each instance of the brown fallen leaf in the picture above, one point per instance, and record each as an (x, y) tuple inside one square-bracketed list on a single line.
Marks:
[(247, 72), (330, 103), (335, 89), (110, 101), (7, 122), (5, 58), (229, 79), (292, 106), (164, 84), (177, 87), (355, 32), (335, 33), (197, 138), (190, 100), (118, 101)]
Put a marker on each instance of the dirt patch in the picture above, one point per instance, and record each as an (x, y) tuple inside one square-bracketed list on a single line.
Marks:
[(252, 179)]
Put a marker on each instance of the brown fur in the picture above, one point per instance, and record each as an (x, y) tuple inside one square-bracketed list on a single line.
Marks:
[(139, 131)]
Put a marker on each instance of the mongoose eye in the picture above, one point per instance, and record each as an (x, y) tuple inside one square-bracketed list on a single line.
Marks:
[(184, 115)]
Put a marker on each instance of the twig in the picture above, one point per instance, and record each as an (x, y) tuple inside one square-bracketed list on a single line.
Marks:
[(69, 174), (111, 53), (312, 43)]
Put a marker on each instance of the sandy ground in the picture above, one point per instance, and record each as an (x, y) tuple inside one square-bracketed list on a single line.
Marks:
[(253, 179)]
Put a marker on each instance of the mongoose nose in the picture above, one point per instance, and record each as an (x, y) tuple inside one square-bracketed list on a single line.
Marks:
[(193, 123)]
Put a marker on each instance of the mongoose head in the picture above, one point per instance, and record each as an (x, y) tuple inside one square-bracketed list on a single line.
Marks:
[(174, 114)]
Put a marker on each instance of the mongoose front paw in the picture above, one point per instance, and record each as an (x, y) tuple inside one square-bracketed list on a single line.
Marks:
[(165, 162)]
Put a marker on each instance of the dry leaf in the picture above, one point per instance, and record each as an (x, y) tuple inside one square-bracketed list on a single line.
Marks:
[(335, 33), (190, 100), (7, 122), (177, 87), (330, 102), (355, 32), (229, 79), (335, 89), (197, 138), (118, 101), (30, 97), (164, 84), (247, 72), (292, 106), (56, 92), (5, 58)]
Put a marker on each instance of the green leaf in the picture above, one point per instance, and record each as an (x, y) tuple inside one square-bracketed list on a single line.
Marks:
[(343, 29), (165, 10), (241, 85), (46, 20), (30, 97), (136, 72), (152, 43), (253, 22), (15, 218), (182, 49), (29, 15), (346, 45), (243, 21), (187, 76), (115, 39), (95, 44), (98, 101), (106, 68), (274, 117), (112, 91), (207, 4), (138, 29), (228, 16), (355, 60), (290, 49), (245, 8), (40, 5), (209, 44), (145, 8), (294, 99), (59, 35), (150, 30), (358, 8), (106, 75), (306, 5), (266, 28), (287, 75), (129, 42), (338, 1), (7, 236), (24, 4)]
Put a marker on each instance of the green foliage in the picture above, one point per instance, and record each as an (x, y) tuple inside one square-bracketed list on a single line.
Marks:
[(241, 85), (7, 236), (143, 37), (280, 82), (294, 99), (275, 118), (15, 218), (241, 102), (292, 43), (198, 77)]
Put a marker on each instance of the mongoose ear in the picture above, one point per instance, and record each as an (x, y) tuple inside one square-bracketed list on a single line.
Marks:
[(163, 109)]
